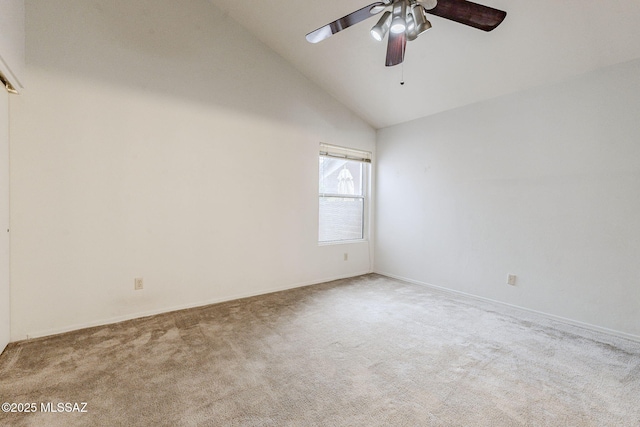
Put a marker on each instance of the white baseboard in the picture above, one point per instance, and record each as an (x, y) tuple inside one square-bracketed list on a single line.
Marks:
[(553, 317), (137, 315)]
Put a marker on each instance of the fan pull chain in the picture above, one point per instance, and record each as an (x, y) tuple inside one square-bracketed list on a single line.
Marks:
[(402, 77)]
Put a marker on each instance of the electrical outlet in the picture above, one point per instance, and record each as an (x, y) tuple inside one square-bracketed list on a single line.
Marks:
[(138, 284), (346, 256), (511, 280)]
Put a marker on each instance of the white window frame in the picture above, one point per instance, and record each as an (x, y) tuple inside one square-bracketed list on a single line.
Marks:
[(334, 151)]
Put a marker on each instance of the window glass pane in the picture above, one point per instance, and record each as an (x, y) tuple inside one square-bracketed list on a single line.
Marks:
[(339, 176), (341, 218)]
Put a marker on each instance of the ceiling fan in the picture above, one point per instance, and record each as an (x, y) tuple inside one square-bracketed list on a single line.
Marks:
[(406, 20)]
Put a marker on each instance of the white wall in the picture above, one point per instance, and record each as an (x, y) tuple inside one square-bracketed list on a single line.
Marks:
[(12, 41), (543, 184), (12, 68), (5, 289), (157, 139)]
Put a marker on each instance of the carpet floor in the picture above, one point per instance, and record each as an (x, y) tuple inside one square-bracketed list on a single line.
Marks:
[(366, 351)]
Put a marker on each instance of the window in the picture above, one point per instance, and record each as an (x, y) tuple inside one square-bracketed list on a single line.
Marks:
[(343, 178)]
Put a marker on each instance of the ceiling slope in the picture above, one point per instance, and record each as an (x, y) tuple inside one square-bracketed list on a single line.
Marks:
[(540, 42)]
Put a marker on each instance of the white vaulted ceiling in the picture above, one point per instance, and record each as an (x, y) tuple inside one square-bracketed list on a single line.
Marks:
[(539, 42)]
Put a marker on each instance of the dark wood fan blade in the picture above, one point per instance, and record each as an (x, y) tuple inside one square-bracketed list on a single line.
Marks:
[(468, 13), (395, 48), (345, 22)]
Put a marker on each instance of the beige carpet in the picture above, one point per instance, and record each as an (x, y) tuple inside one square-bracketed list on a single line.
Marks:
[(367, 351)]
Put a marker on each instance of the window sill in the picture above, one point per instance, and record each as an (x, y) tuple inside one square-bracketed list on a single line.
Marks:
[(342, 242)]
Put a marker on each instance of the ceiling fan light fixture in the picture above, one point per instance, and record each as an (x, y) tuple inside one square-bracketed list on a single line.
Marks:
[(382, 27), (377, 8), (398, 26), (428, 4), (407, 20), (420, 18), (412, 32), (424, 27), (399, 23)]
